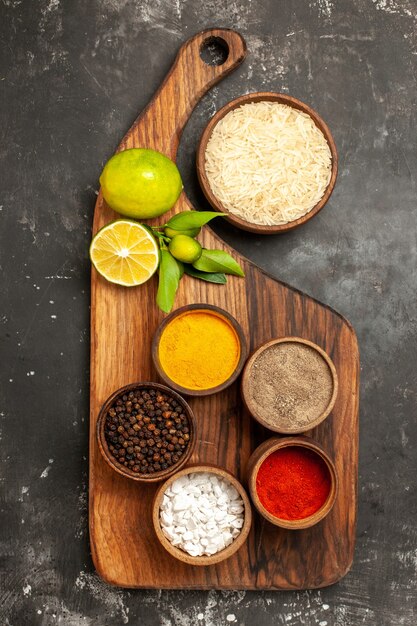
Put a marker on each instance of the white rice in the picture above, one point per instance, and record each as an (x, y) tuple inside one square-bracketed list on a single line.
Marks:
[(268, 163)]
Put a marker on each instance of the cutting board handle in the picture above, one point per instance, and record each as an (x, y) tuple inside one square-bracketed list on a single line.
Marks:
[(161, 123)]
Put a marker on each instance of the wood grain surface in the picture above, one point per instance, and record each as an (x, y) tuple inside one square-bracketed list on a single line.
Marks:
[(125, 549)]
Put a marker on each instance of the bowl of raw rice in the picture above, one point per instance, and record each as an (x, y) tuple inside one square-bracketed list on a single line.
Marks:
[(268, 161)]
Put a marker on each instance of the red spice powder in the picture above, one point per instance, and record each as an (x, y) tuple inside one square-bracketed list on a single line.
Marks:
[(293, 483)]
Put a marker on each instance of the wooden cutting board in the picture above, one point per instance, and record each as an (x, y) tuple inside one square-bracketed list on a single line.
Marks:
[(124, 547)]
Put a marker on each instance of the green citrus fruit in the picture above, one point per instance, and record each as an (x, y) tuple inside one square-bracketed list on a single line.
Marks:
[(140, 183), (191, 232), (185, 248)]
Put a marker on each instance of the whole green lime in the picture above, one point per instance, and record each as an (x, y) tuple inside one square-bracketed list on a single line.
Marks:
[(140, 183), (185, 248), (191, 232)]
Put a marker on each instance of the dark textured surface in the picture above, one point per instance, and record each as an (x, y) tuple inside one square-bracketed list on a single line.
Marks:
[(73, 76)]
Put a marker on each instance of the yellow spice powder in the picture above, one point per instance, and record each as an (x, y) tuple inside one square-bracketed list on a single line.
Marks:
[(199, 350)]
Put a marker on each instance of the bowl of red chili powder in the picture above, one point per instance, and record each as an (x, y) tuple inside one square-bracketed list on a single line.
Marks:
[(292, 481)]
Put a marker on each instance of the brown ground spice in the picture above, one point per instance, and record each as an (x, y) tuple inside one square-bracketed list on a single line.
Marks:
[(291, 384)]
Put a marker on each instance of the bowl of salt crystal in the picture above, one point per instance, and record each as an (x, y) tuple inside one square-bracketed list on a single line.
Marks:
[(202, 515)]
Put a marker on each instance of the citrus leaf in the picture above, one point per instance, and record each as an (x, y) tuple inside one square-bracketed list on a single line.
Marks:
[(209, 277), (218, 261), (191, 219), (149, 229), (169, 278)]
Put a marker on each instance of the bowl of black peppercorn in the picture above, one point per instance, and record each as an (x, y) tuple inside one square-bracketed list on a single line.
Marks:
[(146, 431)]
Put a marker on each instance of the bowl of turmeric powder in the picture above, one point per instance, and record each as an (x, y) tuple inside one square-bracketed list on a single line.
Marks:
[(199, 349)]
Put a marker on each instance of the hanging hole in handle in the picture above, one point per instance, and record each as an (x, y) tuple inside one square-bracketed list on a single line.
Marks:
[(214, 51)]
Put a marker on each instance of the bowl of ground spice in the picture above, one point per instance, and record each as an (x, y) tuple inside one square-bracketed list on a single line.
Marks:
[(202, 515), (199, 349), (268, 161), (289, 385), (146, 431), (292, 482)]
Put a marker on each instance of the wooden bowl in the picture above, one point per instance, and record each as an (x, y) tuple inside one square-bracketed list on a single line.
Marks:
[(121, 469), (262, 229), (259, 456), (224, 554), (251, 404), (220, 313)]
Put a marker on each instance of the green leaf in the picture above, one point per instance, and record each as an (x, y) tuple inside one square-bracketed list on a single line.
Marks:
[(209, 277), (218, 261), (191, 219), (158, 235), (149, 229), (169, 278)]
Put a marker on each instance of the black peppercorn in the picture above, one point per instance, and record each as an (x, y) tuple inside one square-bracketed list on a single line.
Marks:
[(146, 431)]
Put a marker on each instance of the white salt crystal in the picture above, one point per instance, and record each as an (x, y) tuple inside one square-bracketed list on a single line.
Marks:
[(198, 478), (178, 485), (188, 536), (201, 513), (235, 509), (167, 518), (233, 493), (170, 533), (217, 490), (238, 523), (177, 541), (202, 517), (181, 503)]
